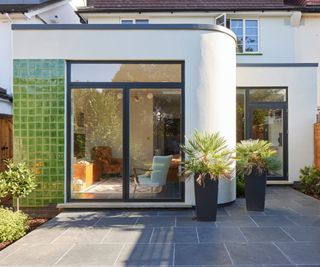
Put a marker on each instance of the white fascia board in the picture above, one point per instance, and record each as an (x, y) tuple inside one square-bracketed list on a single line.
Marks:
[(187, 14), (45, 9)]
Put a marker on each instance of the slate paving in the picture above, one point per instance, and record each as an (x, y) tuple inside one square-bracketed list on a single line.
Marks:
[(286, 234)]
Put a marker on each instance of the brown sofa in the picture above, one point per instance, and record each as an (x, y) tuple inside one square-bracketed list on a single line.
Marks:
[(102, 156)]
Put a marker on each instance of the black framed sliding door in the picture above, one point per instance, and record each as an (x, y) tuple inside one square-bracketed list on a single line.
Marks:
[(123, 137), (262, 113)]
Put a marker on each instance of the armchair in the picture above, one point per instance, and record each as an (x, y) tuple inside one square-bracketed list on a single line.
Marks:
[(158, 173), (102, 155)]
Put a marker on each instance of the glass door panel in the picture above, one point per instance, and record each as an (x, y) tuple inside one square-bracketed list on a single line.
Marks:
[(155, 127), (97, 148), (268, 124)]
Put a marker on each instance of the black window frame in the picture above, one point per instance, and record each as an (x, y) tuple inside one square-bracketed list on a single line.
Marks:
[(127, 87), (250, 105)]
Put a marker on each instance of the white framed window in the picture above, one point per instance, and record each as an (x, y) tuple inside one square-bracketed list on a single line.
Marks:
[(247, 32), (134, 21)]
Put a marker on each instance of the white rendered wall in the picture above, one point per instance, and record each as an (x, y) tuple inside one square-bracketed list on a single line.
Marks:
[(209, 70), (302, 106), (6, 56), (5, 65)]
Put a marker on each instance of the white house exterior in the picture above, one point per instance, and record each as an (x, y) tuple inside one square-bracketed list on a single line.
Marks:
[(128, 83), (27, 12)]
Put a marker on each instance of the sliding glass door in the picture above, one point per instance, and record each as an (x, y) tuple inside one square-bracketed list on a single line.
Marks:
[(262, 114), (124, 137), (97, 158), (155, 137)]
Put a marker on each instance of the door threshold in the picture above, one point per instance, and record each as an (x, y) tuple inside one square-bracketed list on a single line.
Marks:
[(279, 182), (122, 205)]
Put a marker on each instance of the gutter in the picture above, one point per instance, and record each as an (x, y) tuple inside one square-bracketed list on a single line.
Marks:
[(172, 10)]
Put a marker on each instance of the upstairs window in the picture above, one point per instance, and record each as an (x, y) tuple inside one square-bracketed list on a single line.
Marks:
[(134, 21), (247, 31)]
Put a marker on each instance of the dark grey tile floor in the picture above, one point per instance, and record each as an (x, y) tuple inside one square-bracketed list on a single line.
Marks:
[(286, 234)]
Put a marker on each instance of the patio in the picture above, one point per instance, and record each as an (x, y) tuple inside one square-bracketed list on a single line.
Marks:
[(286, 234)]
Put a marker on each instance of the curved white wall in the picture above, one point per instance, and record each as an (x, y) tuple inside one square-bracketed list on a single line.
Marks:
[(210, 70), (216, 96)]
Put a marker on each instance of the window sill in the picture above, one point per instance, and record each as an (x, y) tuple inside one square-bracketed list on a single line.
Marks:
[(250, 54)]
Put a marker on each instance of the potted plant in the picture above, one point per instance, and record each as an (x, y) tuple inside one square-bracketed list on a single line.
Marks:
[(254, 159), (207, 160)]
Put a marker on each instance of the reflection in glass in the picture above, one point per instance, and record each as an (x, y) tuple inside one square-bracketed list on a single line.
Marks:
[(240, 115), (97, 144), (155, 124), (268, 125), (267, 95), (111, 72)]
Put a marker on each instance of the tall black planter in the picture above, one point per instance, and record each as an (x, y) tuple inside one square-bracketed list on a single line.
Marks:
[(206, 199), (255, 190)]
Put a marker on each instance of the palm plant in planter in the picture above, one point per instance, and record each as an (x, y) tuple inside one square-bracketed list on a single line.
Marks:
[(254, 159), (207, 160)]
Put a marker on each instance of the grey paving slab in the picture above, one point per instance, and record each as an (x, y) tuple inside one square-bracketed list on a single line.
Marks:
[(82, 235), (91, 254), (235, 221), (189, 221), (44, 236), (159, 221), (265, 234), (222, 212), (182, 212), (282, 211), (272, 220), (306, 233), (237, 210), (301, 252), (202, 254), (312, 220), (73, 221), (128, 235), (287, 234), (36, 255), (146, 254), (220, 234), (255, 253), (106, 222), (140, 213), (174, 235)]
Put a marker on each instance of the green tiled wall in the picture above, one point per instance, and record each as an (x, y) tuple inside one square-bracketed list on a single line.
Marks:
[(38, 121)]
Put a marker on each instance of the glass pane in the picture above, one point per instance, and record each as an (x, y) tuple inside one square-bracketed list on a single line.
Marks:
[(142, 21), (251, 48), (97, 144), (251, 24), (251, 40), (236, 23), (268, 125), (125, 72), (267, 95), (155, 125), (127, 21), (252, 31), (238, 31), (240, 115)]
